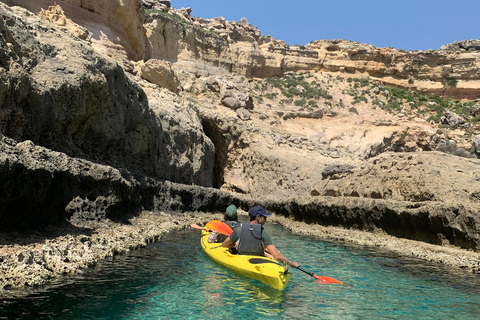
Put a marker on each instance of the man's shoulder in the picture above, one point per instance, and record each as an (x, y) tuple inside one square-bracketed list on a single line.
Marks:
[(266, 236), (236, 232)]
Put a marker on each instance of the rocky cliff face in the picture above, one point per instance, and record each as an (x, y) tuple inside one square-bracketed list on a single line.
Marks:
[(89, 107), (216, 46), (116, 26), (240, 48), (42, 188), (156, 97), (424, 71)]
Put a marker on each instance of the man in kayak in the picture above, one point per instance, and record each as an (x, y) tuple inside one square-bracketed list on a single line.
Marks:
[(252, 239), (230, 218)]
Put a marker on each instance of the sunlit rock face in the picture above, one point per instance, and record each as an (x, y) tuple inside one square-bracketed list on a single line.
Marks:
[(116, 25)]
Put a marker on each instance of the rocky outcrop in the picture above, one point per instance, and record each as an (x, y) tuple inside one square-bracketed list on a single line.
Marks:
[(157, 4), (158, 72), (452, 119), (89, 107), (468, 45), (214, 46), (318, 114), (424, 221), (116, 25), (55, 14), (475, 111), (41, 188), (476, 143), (416, 177), (424, 71)]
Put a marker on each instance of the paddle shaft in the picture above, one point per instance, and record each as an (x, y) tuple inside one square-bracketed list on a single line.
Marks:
[(196, 226), (306, 271)]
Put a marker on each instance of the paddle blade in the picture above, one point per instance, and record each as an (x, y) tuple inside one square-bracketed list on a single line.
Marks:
[(219, 227), (326, 279)]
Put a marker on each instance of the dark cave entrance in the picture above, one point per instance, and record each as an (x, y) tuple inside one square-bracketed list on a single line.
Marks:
[(220, 142)]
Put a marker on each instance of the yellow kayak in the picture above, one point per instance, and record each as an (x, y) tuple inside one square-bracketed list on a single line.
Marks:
[(266, 270)]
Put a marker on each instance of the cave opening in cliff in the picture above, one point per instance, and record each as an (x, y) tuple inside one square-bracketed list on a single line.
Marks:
[(220, 142)]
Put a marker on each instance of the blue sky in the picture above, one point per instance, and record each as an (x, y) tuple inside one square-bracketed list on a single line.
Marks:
[(402, 24)]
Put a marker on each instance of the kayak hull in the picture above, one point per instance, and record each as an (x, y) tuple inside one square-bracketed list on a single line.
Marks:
[(266, 270)]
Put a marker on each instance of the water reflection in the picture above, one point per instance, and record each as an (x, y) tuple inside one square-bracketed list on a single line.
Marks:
[(222, 288)]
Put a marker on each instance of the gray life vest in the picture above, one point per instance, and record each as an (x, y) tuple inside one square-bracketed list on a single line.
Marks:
[(251, 240), (233, 224), (221, 237)]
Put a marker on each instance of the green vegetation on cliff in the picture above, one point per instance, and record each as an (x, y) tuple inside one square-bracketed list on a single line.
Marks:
[(413, 103), (309, 90), (296, 86)]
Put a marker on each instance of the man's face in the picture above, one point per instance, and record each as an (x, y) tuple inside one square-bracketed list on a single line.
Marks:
[(261, 219)]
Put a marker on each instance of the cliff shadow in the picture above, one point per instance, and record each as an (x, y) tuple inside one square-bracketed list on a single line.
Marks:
[(220, 142)]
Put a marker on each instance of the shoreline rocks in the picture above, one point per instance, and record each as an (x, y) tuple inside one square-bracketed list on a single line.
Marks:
[(28, 260)]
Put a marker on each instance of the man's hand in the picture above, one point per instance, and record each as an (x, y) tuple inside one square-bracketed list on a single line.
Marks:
[(228, 243)]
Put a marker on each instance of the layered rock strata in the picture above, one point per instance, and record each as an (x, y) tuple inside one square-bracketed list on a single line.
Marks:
[(240, 48), (200, 45), (42, 188)]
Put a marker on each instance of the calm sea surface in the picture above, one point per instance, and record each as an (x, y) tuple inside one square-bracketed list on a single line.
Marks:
[(174, 280)]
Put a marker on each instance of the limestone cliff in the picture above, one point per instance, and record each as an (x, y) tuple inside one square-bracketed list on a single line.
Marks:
[(155, 94), (240, 48), (89, 107), (424, 71), (116, 25)]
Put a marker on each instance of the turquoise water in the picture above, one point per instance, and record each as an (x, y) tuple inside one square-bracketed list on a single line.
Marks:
[(175, 280)]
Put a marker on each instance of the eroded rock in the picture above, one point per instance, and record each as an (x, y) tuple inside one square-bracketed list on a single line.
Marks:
[(452, 119), (159, 72)]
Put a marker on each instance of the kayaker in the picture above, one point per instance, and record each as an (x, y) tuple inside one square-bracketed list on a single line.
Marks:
[(252, 239), (230, 218)]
